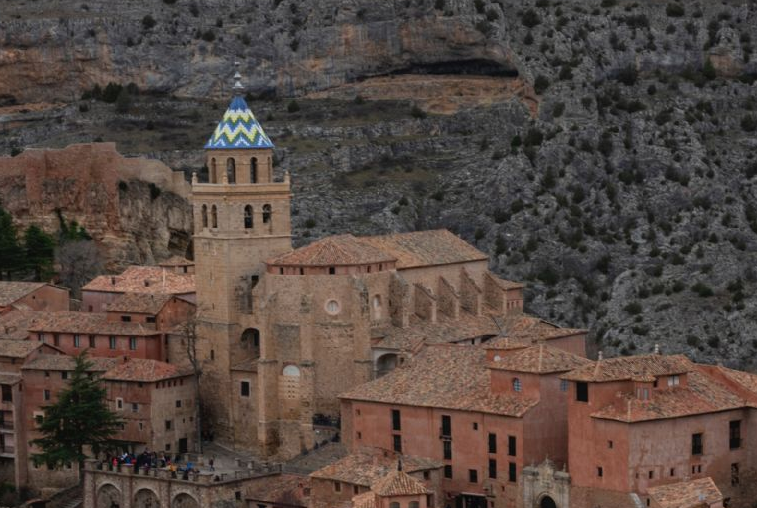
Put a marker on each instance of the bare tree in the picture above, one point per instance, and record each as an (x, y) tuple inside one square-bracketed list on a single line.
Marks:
[(188, 330), (80, 261)]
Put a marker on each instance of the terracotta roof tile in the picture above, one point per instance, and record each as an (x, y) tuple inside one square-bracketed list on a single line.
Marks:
[(338, 250), (146, 371), (144, 279), (18, 348), (65, 362), (10, 291), (636, 368), (95, 323), (398, 483), (364, 500), (426, 248), (143, 303), (15, 324), (701, 395), (9, 378), (282, 489), (444, 376), (530, 330), (176, 261), (697, 493), (366, 467), (539, 359)]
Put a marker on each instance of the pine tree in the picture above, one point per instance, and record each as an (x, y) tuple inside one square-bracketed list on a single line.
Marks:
[(39, 250), (79, 421), (10, 249)]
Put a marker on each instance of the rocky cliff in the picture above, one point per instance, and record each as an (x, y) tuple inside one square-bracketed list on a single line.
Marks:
[(603, 151)]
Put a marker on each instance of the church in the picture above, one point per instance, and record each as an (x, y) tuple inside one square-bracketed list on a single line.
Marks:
[(282, 331)]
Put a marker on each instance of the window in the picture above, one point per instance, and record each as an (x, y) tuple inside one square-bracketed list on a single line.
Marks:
[(609, 444), (134, 407), (673, 381), (126, 319), (396, 420), (582, 391), (248, 217), (397, 443), (47, 373), (600, 472), (91, 341), (512, 443), (359, 435), (168, 447), (332, 307), (414, 504), (38, 418), (696, 469), (332, 270), (119, 403), (7, 393), (696, 444), (394, 504), (168, 424), (512, 472), (337, 486), (254, 170), (133, 343), (563, 385), (517, 385), (46, 395), (492, 468), (178, 403), (112, 342), (214, 216), (355, 489), (231, 170), (64, 375), (212, 354), (651, 475), (448, 471), (734, 434), (77, 340), (446, 426), (267, 214), (475, 425), (447, 449), (56, 339), (204, 216), (473, 476), (41, 337), (735, 473), (492, 443), (151, 319), (245, 389), (213, 174), (672, 471)]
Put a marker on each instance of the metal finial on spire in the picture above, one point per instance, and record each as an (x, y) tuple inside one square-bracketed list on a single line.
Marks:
[(237, 78)]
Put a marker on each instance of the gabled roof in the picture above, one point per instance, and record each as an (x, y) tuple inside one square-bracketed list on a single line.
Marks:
[(15, 324), (18, 348), (426, 248), (701, 492), (86, 323), (65, 362), (539, 359), (443, 376), (631, 368), (366, 467), (144, 279), (398, 483), (10, 291), (337, 250), (146, 371), (141, 303), (238, 129)]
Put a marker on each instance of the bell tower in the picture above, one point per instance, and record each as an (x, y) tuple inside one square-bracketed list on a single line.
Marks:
[(241, 218)]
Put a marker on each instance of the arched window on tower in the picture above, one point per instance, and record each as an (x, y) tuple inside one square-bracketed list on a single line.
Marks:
[(254, 170), (213, 174), (266, 214), (231, 170), (204, 216), (248, 217), (214, 216)]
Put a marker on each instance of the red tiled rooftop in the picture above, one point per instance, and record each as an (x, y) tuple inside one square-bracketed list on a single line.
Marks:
[(10, 291), (146, 371), (636, 368), (282, 489), (141, 303), (366, 467), (530, 330), (425, 248), (144, 279), (86, 323), (364, 500), (686, 494), (65, 362), (18, 348), (539, 359), (443, 376), (340, 250), (398, 483), (700, 395), (16, 323)]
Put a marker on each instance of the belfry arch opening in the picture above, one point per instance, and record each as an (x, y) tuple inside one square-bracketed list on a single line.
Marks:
[(267, 214), (213, 174), (254, 170), (248, 217), (204, 216), (231, 170)]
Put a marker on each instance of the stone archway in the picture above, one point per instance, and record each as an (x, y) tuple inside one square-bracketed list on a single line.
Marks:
[(108, 496), (184, 501), (146, 498), (547, 502)]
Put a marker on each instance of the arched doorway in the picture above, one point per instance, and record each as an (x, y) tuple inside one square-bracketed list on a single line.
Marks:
[(146, 498), (108, 496), (547, 502)]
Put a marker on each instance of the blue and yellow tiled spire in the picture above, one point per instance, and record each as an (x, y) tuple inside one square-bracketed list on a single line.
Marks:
[(238, 128)]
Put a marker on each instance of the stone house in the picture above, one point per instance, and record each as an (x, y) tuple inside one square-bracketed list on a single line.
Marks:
[(38, 296)]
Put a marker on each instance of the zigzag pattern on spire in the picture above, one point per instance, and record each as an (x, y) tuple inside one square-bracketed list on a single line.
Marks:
[(239, 129)]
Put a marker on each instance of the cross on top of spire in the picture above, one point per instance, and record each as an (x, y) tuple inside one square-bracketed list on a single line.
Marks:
[(237, 78)]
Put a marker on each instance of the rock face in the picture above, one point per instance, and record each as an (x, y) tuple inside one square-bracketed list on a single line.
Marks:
[(613, 170), (123, 203)]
